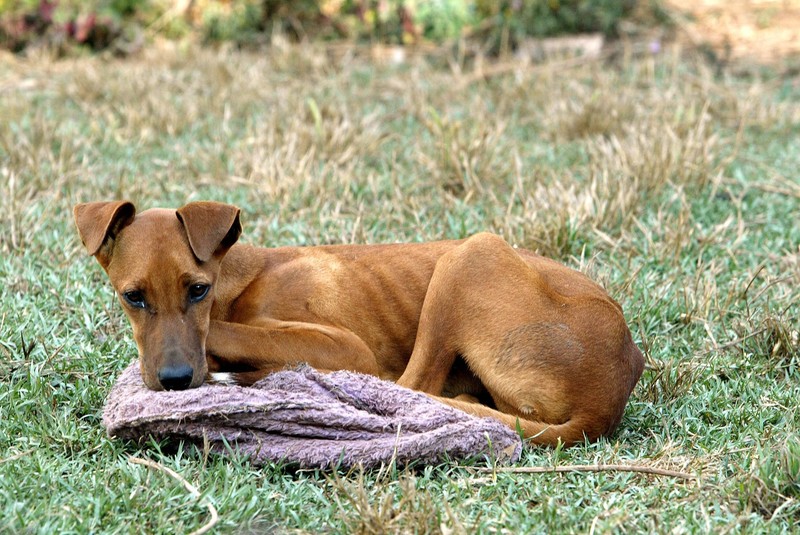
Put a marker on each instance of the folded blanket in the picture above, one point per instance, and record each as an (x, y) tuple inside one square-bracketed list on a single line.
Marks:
[(310, 419)]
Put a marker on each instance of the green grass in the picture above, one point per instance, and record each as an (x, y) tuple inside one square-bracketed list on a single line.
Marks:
[(674, 188)]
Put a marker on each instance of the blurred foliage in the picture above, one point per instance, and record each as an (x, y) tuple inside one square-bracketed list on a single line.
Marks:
[(99, 23), (551, 17), (516, 20)]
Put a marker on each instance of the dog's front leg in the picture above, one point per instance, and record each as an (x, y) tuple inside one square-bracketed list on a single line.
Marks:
[(269, 345)]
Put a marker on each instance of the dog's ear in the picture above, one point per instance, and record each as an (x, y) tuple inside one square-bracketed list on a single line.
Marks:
[(211, 227), (99, 223)]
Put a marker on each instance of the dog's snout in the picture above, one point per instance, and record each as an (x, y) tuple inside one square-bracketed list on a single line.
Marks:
[(176, 377)]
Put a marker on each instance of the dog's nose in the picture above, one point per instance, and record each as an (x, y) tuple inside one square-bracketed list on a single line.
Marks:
[(175, 377)]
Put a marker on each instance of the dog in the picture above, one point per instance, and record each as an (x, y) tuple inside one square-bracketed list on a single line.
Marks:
[(489, 329)]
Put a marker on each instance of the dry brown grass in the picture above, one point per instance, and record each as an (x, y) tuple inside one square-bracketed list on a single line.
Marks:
[(233, 120), (387, 503)]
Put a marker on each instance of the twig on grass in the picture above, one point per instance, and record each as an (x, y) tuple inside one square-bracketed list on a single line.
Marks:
[(588, 468), (789, 191), (732, 343), (777, 512), (15, 456), (188, 486)]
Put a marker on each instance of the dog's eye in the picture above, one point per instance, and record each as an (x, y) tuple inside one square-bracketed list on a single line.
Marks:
[(198, 292), (135, 298)]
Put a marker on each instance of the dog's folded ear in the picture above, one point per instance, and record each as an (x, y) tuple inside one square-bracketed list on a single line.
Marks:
[(211, 227), (99, 222)]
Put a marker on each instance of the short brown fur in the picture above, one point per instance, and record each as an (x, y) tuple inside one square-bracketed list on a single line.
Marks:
[(484, 327)]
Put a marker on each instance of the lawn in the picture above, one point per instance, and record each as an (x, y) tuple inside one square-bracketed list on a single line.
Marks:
[(671, 183)]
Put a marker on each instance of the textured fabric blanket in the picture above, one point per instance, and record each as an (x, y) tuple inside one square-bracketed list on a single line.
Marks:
[(306, 418)]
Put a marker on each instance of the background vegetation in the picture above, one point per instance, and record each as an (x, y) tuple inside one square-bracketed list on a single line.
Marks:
[(671, 182), (122, 24)]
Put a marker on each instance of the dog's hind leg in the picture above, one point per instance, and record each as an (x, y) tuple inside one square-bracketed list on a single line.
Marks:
[(550, 347)]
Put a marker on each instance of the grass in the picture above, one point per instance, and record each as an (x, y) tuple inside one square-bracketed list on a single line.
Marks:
[(673, 186)]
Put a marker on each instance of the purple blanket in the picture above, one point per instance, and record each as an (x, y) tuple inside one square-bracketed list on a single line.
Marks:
[(307, 418)]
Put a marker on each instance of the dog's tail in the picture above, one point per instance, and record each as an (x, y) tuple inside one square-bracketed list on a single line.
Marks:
[(573, 431)]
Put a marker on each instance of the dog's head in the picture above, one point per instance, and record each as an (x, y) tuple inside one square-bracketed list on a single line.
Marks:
[(163, 265)]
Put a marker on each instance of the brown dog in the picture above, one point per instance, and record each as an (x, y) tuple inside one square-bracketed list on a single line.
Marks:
[(486, 328)]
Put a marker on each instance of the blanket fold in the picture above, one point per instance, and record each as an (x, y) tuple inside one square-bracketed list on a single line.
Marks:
[(309, 419)]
